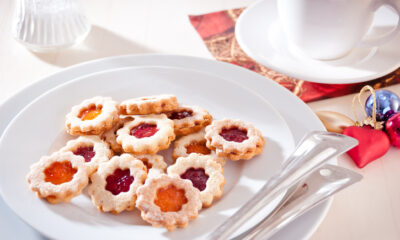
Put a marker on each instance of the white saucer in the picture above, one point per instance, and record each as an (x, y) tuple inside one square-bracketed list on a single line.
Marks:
[(259, 34)]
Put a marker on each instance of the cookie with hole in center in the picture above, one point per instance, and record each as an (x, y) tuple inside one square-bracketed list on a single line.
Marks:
[(92, 116), (92, 149), (58, 177), (110, 136), (204, 173), (146, 134), (194, 143), (114, 185), (168, 201), (189, 119), (234, 139)]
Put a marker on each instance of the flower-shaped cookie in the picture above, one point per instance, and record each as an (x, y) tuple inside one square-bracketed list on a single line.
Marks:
[(92, 116), (204, 173), (58, 177), (110, 136), (234, 139), (189, 119), (146, 134), (114, 185), (91, 148), (153, 162), (194, 143), (149, 105), (168, 201)]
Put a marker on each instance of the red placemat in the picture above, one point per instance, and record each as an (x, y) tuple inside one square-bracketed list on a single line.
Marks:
[(218, 33)]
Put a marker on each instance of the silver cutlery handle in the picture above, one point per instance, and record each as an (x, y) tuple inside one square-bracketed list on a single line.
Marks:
[(314, 150), (320, 185)]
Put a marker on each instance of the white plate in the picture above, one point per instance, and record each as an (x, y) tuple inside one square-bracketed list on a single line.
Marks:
[(40, 126), (259, 34), (299, 118)]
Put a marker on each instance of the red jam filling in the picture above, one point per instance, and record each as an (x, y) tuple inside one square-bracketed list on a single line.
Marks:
[(86, 152), (198, 177), (170, 199), (119, 181), (59, 172), (144, 130), (180, 115), (234, 134)]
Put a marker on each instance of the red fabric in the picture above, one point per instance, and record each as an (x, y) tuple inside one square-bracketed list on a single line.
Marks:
[(207, 27), (218, 33), (372, 144)]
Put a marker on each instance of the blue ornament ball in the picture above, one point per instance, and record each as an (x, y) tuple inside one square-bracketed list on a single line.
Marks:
[(387, 104)]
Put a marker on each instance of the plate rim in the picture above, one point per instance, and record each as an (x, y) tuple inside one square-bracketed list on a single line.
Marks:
[(245, 47), (15, 102)]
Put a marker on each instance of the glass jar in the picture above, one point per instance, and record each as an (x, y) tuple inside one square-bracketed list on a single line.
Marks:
[(46, 25)]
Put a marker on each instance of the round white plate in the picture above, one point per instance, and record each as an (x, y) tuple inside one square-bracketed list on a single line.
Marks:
[(39, 128), (259, 34), (298, 116)]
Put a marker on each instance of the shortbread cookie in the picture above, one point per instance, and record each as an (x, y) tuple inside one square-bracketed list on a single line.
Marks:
[(234, 139), (91, 148), (149, 105), (110, 136), (92, 116), (194, 143), (58, 177), (168, 201), (146, 134), (153, 162), (189, 119), (204, 173), (114, 185)]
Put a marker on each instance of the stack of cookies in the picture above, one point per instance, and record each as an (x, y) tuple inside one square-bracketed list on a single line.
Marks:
[(116, 152)]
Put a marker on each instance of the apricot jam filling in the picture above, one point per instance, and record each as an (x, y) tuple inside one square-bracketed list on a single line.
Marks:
[(147, 164), (86, 152), (59, 172), (170, 199), (234, 134), (144, 130), (197, 176), (119, 181), (180, 114), (197, 147), (90, 113)]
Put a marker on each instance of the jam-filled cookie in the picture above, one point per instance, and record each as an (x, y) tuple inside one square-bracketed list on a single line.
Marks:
[(91, 148), (58, 177), (114, 185), (168, 201), (92, 116), (194, 143), (234, 139), (146, 134), (149, 105), (204, 173), (110, 136), (189, 119), (153, 162)]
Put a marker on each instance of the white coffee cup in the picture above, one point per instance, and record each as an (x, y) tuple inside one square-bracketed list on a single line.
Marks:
[(330, 29)]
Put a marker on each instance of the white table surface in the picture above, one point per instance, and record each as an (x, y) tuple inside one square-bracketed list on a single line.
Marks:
[(367, 210)]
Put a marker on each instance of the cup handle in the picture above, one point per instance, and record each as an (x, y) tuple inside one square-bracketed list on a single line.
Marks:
[(395, 4)]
